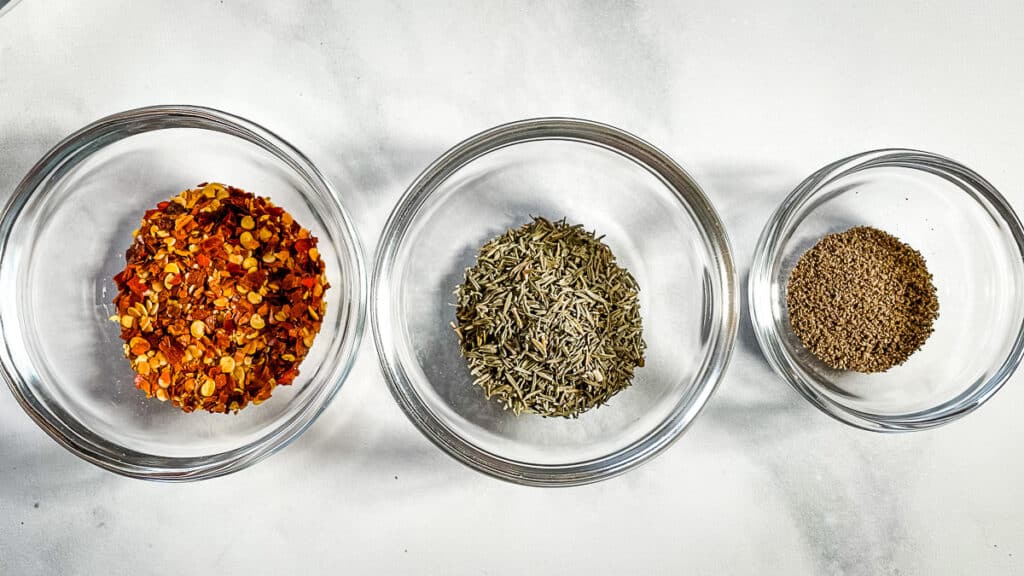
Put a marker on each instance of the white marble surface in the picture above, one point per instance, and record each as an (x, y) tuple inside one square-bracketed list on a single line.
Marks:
[(749, 97)]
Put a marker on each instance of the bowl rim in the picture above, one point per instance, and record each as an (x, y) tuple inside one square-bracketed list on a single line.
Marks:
[(98, 135), (7, 6), (759, 289), (724, 320)]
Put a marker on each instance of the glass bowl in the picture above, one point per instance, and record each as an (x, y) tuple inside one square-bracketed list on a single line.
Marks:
[(63, 236), (974, 248), (659, 225)]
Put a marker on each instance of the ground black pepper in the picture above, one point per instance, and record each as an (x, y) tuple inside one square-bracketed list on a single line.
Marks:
[(861, 300)]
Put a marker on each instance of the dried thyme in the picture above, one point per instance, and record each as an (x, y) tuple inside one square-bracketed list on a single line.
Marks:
[(861, 300), (548, 322)]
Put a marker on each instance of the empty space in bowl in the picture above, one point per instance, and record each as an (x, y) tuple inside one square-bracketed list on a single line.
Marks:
[(976, 269), (69, 243), (652, 234)]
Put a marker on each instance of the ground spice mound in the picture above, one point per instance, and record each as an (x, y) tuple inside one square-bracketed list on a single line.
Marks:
[(548, 322), (220, 299), (861, 300)]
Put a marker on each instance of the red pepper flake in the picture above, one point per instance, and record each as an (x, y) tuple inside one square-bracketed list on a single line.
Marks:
[(220, 299), (135, 285)]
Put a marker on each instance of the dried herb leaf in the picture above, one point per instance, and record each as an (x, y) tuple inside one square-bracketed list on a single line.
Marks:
[(548, 322)]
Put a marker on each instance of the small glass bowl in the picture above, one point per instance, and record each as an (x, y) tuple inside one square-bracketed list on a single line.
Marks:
[(659, 225), (63, 236), (973, 244)]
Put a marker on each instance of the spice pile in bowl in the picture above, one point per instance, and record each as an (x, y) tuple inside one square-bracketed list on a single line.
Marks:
[(548, 322), (862, 300), (220, 300)]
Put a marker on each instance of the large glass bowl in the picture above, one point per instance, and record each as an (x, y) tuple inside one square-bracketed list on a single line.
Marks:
[(657, 222), (63, 236), (974, 248)]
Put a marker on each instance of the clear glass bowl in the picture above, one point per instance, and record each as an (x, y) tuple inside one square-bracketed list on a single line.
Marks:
[(63, 236), (974, 247), (660, 226)]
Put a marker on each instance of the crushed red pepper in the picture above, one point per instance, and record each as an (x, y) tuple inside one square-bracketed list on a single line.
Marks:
[(220, 300)]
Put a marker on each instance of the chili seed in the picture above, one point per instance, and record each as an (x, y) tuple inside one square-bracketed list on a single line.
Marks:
[(138, 345), (208, 387), (247, 241)]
